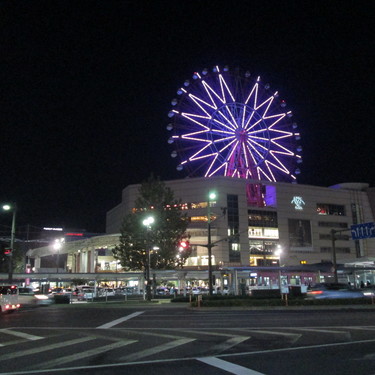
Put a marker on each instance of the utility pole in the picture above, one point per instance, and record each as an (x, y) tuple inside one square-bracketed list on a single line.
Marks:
[(334, 260)]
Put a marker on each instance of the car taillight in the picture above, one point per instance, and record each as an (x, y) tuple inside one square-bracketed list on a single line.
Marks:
[(316, 292)]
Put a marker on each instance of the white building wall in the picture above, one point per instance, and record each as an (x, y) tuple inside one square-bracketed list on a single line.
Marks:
[(196, 190)]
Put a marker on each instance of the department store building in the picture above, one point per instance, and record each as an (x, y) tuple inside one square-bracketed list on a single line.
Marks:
[(253, 224), (281, 223)]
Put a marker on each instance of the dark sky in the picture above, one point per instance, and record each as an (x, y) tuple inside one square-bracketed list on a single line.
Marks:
[(86, 88)]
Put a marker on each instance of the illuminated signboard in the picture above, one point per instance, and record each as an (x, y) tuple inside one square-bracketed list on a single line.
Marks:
[(298, 202)]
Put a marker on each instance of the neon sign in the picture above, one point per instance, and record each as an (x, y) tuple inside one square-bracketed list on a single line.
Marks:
[(298, 202)]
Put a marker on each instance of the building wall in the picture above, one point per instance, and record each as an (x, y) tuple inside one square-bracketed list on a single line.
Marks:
[(195, 190)]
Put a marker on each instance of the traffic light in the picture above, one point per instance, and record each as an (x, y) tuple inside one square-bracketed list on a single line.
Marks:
[(8, 252), (183, 245)]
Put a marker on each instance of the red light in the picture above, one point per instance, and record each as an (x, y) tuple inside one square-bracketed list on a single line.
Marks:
[(316, 292), (183, 245), (7, 251)]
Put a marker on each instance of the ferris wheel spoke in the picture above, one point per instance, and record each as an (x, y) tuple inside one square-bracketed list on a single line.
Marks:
[(233, 125), (228, 124), (197, 155), (212, 163), (253, 95), (234, 122), (286, 151), (224, 86), (197, 101), (280, 168)]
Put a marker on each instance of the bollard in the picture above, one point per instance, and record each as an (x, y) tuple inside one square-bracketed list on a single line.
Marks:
[(199, 299)]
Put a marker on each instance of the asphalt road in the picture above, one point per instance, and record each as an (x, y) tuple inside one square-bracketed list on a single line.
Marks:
[(162, 339)]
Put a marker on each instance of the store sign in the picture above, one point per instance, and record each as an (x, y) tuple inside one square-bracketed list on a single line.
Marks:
[(298, 202)]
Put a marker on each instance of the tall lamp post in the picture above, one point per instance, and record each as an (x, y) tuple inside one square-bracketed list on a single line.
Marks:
[(278, 252), (147, 223), (13, 208), (57, 246), (211, 197)]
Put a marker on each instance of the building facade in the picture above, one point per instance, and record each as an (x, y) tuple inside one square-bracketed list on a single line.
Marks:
[(263, 235), (266, 224)]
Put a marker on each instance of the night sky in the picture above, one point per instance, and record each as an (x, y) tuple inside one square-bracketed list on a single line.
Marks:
[(86, 88)]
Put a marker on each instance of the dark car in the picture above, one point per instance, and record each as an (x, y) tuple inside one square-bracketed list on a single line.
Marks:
[(333, 291)]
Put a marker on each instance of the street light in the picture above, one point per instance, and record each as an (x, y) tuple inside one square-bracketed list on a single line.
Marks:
[(13, 208), (147, 223), (278, 252), (211, 197), (57, 246)]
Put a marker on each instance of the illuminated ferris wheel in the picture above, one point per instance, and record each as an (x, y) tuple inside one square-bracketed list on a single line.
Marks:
[(230, 124)]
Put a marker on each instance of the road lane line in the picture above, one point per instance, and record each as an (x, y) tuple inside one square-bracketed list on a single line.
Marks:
[(228, 366), (171, 360), (293, 336), (155, 350), (219, 348), (21, 334), (41, 349), (232, 341), (329, 331), (118, 321), (76, 357)]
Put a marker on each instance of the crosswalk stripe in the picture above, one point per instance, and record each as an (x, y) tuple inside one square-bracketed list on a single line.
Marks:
[(118, 321), (228, 344), (228, 366), (41, 349), (156, 349), (88, 353), (20, 334)]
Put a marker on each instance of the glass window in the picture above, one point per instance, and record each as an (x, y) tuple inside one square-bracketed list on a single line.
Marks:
[(330, 209), (259, 218), (331, 224)]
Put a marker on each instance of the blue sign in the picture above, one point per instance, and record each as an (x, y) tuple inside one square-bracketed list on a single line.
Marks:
[(361, 231)]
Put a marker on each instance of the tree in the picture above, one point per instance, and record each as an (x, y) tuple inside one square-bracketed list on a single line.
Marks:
[(158, 242)]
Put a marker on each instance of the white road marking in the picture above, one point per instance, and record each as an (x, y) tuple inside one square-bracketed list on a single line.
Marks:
[(229, 344), (342, 333), (293, 336), (229, 367), (20, 334), (156, 349), (88, 353), (41, 349), (364, 328), (176, 360), (232, 341), (118, 321)]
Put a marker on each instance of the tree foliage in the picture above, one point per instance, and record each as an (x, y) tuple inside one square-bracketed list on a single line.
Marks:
[(169, 228)]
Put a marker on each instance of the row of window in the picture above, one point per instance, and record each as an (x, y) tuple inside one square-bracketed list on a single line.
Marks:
[(343, 250)]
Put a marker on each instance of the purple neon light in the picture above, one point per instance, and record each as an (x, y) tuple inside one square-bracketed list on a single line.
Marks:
[(228, 125)]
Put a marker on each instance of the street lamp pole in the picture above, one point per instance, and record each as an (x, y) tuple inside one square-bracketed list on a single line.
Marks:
[(8, 207), (211, 197), (57, 246), (147, 223), (334, 260)]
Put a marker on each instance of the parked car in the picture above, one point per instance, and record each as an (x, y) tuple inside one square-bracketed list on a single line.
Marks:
[(333, 291)]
